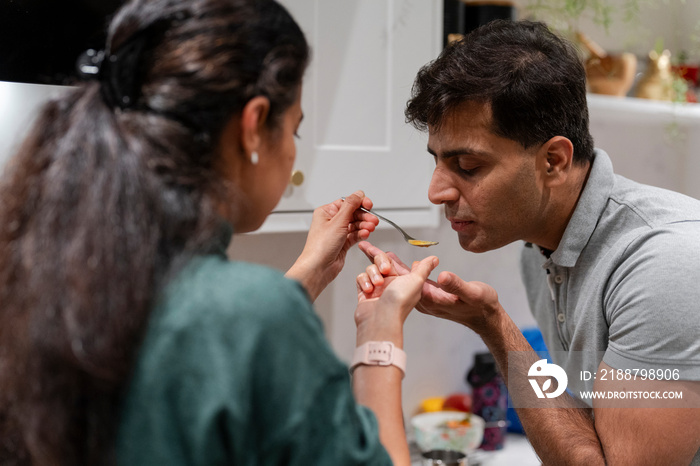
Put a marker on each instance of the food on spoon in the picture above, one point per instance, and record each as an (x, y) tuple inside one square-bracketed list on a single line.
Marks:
[(422, 244)]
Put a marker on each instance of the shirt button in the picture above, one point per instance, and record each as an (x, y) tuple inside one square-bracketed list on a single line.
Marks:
[(558, 279), (561, 317)]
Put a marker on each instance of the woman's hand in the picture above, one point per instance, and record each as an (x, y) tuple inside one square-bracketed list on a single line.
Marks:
[(335, 228), (382, 309), (380, 315)]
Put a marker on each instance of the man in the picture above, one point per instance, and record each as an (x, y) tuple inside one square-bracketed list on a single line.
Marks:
[(611, 267)]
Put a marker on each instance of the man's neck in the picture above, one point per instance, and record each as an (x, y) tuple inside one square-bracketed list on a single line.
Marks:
[(561, 213)]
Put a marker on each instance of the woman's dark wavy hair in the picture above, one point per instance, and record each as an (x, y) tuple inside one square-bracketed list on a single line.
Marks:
[(100, 204), (533, 81)]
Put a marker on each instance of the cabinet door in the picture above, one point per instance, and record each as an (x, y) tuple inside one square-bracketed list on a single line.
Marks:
[(365, 55)]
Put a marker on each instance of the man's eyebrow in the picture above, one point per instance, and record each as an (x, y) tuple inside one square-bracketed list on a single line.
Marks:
[(457, 152)]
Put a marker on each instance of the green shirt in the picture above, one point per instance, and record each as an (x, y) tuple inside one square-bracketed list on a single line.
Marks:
[(235, 369)]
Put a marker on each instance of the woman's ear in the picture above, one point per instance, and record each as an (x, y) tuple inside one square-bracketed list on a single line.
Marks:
[(558, 158), (253, 119)]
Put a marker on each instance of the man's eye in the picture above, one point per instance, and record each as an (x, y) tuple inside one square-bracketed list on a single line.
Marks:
[(468, 171)]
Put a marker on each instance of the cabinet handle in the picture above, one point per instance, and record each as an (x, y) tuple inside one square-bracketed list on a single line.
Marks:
[(297, 178)]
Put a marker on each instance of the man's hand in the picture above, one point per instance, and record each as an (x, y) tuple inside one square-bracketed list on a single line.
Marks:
[(473, 304)]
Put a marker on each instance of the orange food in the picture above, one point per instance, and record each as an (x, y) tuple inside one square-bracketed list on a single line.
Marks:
[(422, 244), (454, 424)]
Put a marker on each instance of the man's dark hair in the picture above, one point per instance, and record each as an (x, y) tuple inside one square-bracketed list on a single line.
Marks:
[(533, 81)]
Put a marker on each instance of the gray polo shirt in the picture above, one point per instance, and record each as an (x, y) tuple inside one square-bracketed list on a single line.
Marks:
[(624, 281)]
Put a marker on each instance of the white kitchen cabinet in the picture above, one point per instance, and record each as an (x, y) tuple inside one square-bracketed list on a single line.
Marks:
[(365, 56)]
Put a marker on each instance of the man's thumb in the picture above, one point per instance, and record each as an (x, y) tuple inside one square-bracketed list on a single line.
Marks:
[(450, 283)]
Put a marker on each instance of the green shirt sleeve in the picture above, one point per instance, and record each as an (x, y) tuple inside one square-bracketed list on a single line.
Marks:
[(235, 369)]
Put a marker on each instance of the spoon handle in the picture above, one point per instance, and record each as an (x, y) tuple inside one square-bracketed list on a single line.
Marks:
[(388, 221), (409, 239)]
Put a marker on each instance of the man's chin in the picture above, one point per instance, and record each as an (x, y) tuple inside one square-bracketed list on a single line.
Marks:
[(469, 244), (477, 245)]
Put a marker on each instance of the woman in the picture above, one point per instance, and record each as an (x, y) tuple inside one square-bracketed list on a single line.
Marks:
[(126, 336)]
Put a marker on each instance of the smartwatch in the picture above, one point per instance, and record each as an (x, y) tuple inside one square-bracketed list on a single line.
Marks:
[(379, 353)]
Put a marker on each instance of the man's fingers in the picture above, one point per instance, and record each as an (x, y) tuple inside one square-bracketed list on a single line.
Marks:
[(451, 283), (466, 291)]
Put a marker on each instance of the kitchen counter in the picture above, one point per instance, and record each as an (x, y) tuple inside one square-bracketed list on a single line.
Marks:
[(516, 450)]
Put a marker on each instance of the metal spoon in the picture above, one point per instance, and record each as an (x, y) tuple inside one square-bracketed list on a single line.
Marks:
[(409, 239)]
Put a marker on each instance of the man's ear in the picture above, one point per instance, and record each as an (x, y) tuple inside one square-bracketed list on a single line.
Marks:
[(253, 119), (557, 158)]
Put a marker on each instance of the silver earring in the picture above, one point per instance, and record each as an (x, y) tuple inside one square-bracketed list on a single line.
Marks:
[(254, 158)]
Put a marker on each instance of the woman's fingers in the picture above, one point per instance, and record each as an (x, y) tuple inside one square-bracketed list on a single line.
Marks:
[(362, 216), (421, 270), (398, 263), (375, 275), (361, 225), (387, 261), (364, 284), (369, 250), (379, 258), (370, 279), (349, 207), (424, 267)]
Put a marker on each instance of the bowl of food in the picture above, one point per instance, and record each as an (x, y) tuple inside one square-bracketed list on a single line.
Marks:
[(448, 430)]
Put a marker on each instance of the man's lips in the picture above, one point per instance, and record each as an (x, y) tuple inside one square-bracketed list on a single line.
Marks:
[(460, 225)]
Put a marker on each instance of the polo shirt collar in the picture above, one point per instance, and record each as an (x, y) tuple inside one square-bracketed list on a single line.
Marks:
[(589, 208)]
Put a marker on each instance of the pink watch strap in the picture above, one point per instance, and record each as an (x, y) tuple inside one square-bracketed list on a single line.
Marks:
[(379, 353)]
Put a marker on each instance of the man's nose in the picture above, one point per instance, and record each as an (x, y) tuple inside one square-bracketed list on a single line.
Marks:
[(442, 189)]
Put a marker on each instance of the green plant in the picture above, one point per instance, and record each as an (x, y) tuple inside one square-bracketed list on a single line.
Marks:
[(570, 16), (564, 15)]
